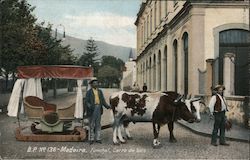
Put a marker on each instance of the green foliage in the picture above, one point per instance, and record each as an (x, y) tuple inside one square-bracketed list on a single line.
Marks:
[(112, 61), (16, 29), (89, 57), (54, 52), (108, 75), (110, 72), (25, 43)]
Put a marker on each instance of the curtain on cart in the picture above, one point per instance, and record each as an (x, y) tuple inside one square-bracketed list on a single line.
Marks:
[(79, 101), (32, 87), (15, 98)]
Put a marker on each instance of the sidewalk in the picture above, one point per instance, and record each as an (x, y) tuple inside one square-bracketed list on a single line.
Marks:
[(205, 127)]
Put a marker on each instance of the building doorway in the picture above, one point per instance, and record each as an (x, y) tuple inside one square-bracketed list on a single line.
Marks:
[(236, 41)]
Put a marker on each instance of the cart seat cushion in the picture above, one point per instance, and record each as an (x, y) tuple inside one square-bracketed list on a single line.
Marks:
[(37, 102)]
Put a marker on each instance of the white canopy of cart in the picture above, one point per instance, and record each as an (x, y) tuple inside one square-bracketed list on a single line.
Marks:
[(33, 87)]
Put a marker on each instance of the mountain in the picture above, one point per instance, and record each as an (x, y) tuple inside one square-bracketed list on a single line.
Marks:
[(78, 45)]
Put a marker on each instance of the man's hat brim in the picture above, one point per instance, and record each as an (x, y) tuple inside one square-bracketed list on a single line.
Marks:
[(94, 80), (219, 86)]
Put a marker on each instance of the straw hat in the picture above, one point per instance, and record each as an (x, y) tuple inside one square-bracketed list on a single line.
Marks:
[(93, 80), (219, 86)]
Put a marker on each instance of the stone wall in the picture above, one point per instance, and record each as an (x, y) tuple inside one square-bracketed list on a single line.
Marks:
[(238, 106)]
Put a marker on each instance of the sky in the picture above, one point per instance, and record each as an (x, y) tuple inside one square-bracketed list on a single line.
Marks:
[(111, 21)]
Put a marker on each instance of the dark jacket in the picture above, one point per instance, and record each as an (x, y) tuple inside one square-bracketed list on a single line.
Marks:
[(90, 101)]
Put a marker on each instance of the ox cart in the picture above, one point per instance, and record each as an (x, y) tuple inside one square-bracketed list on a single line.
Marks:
[(49, 121)]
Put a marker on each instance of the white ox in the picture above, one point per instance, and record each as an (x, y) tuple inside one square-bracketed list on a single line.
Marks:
[(142, 107)]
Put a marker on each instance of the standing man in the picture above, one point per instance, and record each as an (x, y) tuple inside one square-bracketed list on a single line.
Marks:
[(95, 101), (218, 108), (144, 88)]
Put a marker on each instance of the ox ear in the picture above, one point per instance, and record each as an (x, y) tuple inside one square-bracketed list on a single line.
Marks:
[(195, 99)]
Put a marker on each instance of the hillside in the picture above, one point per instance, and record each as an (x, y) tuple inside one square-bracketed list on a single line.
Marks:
[(78, 45)]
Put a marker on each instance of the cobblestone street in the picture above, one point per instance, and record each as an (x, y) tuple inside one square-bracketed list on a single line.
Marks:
[(188, 146)]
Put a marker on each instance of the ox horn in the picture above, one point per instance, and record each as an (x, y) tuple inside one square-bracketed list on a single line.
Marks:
[(195, 99), (178, 98)]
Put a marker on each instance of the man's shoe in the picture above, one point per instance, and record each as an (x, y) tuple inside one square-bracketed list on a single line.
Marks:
[(99, 141), (224, 144), (214, 144), (91, 142)]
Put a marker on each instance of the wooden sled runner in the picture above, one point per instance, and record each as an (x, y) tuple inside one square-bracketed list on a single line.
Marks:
[(78, 134)]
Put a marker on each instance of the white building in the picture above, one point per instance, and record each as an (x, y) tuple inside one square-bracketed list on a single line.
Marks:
[(190, 46), (129, 75)]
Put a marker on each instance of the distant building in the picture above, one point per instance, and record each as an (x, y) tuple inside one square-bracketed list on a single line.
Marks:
[(190, 46), (129, 74)]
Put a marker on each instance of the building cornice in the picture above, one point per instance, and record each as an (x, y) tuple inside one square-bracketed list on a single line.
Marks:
[(184, 11), (175, 19), (141, 10), (219, 4)]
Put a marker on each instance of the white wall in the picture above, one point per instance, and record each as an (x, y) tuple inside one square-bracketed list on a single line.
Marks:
[(215, 17)]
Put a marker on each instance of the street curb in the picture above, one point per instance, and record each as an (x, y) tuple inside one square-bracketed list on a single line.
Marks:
[(209, 135)]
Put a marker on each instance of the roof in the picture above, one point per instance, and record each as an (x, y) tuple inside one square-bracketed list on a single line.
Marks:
[(131, 55), (55, 71)]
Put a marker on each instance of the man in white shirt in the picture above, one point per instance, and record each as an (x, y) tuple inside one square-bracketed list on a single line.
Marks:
[(218, 108)]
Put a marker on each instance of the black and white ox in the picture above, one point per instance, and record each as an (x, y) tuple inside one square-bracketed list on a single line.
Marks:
[(158, 108)]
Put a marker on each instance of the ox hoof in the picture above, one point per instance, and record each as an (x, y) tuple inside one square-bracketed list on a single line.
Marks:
[(116, 143), (123, 142), (129, 138), (172, 140), (157, 146)]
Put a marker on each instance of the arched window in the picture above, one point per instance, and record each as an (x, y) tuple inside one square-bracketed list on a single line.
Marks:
[(159, 12), (155, 15), (146, 80), (175, 51), (159, 71), (142, 38), (148, 27), (185, 52), (142, 71), (151, 21), (150, 71), (154, 73), (166, 66)]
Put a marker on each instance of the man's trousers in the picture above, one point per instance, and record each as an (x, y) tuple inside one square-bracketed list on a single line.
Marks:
[(95, 124)]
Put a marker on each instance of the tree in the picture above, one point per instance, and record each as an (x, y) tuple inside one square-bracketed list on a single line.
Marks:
[(112, 61), (23, 42), (108, 75), (53, 52), (16, 28), (89, 57), (110, 71)]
